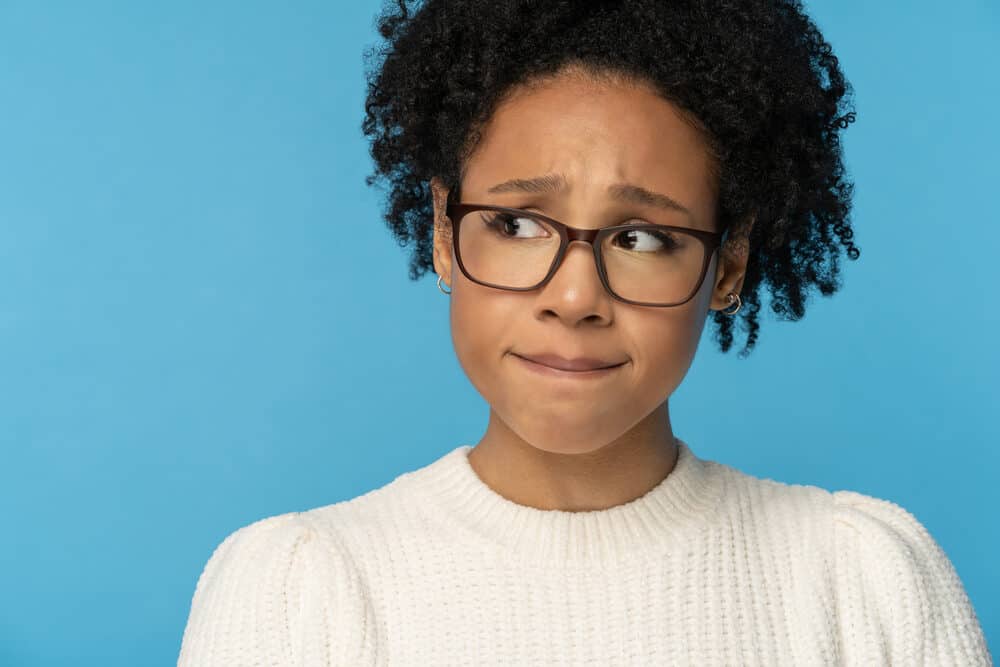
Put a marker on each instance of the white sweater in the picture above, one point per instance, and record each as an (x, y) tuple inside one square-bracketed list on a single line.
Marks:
[(710, 567)]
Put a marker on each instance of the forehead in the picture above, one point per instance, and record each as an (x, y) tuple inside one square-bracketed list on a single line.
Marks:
[(596, 132)]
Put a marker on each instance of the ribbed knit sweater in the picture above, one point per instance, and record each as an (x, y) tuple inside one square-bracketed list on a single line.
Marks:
[(710, 567)]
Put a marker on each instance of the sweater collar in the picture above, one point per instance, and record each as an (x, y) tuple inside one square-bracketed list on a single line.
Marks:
[(665, 516)]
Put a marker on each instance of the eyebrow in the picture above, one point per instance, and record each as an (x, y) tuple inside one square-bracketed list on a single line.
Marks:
[(626, 192)]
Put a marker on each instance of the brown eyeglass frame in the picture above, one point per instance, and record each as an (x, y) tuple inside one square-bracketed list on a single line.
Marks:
[(711, 241)]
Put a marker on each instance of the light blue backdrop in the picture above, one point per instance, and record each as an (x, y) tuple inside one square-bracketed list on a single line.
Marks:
[(203, 320)]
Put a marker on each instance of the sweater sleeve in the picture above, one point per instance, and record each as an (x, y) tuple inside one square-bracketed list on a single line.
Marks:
[(278, 592), (900, 599)]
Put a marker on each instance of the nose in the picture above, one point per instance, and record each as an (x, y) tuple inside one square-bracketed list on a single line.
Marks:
[(575, 291)]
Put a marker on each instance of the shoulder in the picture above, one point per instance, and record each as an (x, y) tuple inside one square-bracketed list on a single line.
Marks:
[(266, 591), (881, 523), (887, 543), (888, 546), (898, 588), (899, 599), (271, 545), (274, 544), (263, 538)]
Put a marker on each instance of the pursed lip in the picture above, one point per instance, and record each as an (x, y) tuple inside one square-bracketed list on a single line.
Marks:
[(575, 364)]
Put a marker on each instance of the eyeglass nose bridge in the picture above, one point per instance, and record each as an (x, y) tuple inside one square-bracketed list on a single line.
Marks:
[(585, 235), (588, 236)]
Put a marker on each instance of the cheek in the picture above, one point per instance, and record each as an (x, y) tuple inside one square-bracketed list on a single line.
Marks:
[(479, 319), (679, 329), (665, 343), (665, 340)]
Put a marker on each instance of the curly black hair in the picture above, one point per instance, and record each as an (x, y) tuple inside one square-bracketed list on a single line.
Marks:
[(757, 75)]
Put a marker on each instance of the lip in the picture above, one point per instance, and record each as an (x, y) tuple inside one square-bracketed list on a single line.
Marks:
[(577, 368)]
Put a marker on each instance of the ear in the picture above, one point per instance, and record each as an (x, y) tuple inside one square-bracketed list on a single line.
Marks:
[(732, 264), (442, 232)]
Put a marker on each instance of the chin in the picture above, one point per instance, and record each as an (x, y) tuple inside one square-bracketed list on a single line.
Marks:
[(559, 437)]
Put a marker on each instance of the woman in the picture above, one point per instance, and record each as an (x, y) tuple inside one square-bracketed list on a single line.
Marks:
[(590, 180)]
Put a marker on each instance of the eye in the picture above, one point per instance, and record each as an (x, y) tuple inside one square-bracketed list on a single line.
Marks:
[(511, 226), (646, 240)]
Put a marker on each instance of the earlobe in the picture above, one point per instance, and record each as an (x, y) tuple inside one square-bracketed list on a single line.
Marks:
[(442, 253), (732, 262)]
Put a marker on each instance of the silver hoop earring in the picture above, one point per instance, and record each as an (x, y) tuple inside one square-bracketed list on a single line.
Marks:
[(739, 304), (441, 288)]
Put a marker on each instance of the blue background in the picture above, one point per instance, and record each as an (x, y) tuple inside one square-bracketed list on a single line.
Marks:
[(190, 342)]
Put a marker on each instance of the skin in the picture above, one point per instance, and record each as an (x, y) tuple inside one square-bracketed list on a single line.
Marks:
[(570, 444)]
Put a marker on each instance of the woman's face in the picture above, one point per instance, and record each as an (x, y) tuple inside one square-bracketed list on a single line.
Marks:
[(592, 135)]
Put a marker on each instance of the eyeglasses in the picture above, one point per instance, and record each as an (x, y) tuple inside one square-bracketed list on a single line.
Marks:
[(642, 264)]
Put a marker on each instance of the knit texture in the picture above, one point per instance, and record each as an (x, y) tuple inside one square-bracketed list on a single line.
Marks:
[(710, 567)]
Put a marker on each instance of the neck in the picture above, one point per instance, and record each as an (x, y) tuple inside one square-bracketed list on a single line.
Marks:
[(576, 477)]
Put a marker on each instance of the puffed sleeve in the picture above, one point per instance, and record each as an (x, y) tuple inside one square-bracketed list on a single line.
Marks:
[(900, 600), (278, 592)]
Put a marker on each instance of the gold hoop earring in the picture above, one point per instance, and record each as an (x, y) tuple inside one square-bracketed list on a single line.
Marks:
[(441, 288), (739, 304)]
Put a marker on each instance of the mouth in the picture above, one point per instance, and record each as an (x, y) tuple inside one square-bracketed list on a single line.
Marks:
[(551, 371)]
